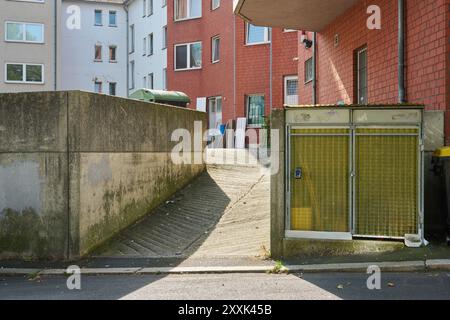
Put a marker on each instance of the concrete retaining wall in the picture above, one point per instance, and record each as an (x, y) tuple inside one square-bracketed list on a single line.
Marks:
[(76, 168)]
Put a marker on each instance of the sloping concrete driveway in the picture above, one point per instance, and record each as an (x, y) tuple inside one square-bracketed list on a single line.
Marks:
[(223, 213)]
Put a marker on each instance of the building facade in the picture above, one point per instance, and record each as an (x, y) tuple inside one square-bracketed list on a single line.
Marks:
[(94, 54), (147, 47), (28, 48), (229, 68)]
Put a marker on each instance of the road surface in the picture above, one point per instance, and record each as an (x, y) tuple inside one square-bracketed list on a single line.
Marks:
[(231, 287)]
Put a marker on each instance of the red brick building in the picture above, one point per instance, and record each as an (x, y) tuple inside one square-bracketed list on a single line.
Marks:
[(239, 77), (356, 64)]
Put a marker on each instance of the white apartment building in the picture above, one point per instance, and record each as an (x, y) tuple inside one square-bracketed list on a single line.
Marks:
[(28, 48), (94, 56), (147, 44)]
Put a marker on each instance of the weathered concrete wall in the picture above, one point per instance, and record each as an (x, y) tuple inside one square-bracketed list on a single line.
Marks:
[(33, 175), (76, 168)]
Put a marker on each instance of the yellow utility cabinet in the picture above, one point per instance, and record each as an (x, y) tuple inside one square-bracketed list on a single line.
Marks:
[(354, 172)]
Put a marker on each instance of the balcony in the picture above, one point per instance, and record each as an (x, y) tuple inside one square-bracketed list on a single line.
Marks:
[(310, 15)]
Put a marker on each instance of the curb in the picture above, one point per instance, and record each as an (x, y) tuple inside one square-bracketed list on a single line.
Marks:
[(438, 265), (401, 266)]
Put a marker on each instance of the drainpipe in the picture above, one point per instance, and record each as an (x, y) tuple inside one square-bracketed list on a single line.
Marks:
[(271, 70), (55, 48), (234, 67), (128, 49), (401, 52), (314, 82)]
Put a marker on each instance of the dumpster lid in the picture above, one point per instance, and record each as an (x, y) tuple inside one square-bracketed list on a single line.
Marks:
[(442, 153), (160, 96)]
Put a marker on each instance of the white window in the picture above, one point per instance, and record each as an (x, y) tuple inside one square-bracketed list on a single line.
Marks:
[(24, 73), (255, 111), (164, 37), (144, 8), (144, 46), (187, 9), (113, 19), (112, 54), (291, 90), (98, 18), (98, 86), (24, 32), (150, 44), (112, 88), (131, 74), (132, 38), (257, 35), (215, 112), (309, 69), (164, 79), (215, 54), (151, 79), (188, 56), (98, 53), (150, 7), (362, 76), (215, 4)]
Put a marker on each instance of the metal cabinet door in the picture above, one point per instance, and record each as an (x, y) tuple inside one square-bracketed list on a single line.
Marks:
[(387, 185), (319, 182)]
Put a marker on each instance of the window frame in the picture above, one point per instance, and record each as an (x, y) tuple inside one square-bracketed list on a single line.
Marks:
[(306, 79), (247, 107), (115, 53), (164, 78), (151, 44), (132, 75), (286, 79), (112, 13), (144, 8), (213, 47), (100, 83), (151, 81), (95, 17), (188, 58), (115, 88), (24, 73), (132, 38), (267, 35), (215, 7), (358, 89), (95, 53), (188, 14), (150, 9), (164, 36), (144, 46), (24, 37)]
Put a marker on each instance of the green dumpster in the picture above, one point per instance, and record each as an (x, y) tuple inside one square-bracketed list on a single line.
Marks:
[(441, 167), (174, 98)]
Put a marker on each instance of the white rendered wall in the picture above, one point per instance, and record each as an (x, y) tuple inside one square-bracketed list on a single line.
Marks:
[(156, 63), (78, 68)]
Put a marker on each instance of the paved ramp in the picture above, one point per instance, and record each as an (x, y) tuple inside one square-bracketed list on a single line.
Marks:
[(224, 212)]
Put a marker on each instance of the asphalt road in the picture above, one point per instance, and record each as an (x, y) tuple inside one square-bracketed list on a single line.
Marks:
[(231, 287)]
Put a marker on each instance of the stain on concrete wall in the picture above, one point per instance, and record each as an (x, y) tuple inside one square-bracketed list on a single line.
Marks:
[(20, 186), (100, 171)]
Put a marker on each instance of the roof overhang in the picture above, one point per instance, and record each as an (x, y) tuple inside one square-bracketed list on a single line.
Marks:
[(309, 15)]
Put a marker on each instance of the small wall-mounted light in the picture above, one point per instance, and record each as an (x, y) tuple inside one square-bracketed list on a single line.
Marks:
[(336, 40), (303, 39)]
